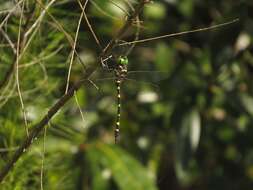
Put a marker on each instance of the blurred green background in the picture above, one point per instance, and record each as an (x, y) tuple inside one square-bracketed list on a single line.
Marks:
[(190, 130)]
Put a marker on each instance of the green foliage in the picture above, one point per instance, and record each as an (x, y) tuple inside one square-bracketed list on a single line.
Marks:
[(125, 170)]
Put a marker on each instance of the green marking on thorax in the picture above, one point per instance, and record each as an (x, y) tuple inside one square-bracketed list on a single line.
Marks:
[(123, 60)]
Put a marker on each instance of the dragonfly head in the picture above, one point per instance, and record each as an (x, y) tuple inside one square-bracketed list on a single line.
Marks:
[(122, 60)]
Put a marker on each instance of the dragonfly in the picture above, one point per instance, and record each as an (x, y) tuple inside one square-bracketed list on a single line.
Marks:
[(118, 64)]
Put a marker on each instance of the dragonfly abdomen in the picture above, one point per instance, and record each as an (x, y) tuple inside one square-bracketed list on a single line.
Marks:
[(117, 127), (120, 74)]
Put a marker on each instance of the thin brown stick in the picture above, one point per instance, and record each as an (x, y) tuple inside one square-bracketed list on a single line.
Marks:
[(121, 8), (137, 33), (10, 13), (39, 19), (7, 92), (38, 59), (74, 46), (79, 108), (180, 33), (90, 27), (17, 71), (7, 75), (43, 157), (5, 35), (102, 11)]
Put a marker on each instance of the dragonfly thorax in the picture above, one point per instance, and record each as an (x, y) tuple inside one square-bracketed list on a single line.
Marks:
[(121, 72), (121, 68)]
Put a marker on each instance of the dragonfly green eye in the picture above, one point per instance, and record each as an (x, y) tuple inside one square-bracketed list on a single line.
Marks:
[(123, 60)]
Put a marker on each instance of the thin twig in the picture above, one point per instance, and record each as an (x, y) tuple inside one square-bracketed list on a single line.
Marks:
[(4, 98), (137, 33), (8, 149), (43, 157), (90, 27), (27, 92), (8, 40), (79, 107), (121, 8), (180, 33), (38, 21), (40, 58), (10, 13), (7, 75), (102, 11), (5, 45), (74, 46), (17, 72)]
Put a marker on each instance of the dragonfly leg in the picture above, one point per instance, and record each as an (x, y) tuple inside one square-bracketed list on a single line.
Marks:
[(104, 61)]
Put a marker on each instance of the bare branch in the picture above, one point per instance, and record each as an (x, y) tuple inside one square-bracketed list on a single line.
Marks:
[(181, 33)]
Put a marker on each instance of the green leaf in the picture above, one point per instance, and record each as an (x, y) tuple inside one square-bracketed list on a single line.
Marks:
[(187, 143), (100, 180), (164, 57), (247, 102), (194, 129), (155, 10), (190, 129), (127, 172)]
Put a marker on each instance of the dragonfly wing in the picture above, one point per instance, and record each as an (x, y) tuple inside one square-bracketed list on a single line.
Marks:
[(101, 76), (119, 50), (101, 73), (147, 76)]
